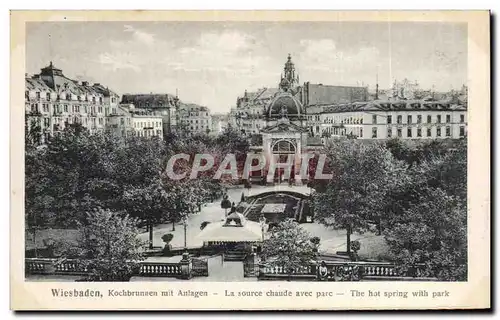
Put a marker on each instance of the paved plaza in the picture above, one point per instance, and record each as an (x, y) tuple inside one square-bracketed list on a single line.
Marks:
[(331, 240)]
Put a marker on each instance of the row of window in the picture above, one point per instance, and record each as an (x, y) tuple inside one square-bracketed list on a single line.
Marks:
[(68, 96), (399, 119), (148, 133), (195, 121), (418, 118), (199, 128), (84, 121), (149, 124), (315, 118), (440, 132), (357, 131), (198, 114), (65, 108)]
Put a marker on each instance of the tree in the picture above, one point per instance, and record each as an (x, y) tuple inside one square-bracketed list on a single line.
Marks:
[(427, 215), (431, 232), (289, 246), (109, 246), (354, 196), (149, 203)]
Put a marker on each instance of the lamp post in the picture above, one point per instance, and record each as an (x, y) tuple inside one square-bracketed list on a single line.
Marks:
[(262, 221), (185, 223)]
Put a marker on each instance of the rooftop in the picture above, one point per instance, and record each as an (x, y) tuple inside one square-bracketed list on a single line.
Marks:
[(54, 79), (399, 105)]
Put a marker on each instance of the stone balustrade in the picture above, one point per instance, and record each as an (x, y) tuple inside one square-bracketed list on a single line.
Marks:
[(38, 265), (68, 266), (344, 271), (159, 269), (71, 267)]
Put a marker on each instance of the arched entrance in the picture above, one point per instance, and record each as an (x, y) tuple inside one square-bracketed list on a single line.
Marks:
[(282, 149)]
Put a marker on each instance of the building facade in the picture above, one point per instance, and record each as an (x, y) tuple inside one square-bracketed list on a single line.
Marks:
[(404, 119), (319, 94), (164, 105), (249, 114), (132, 121), (219, 123), (285, 135), (53, 101), (343, 111), (195, 119)]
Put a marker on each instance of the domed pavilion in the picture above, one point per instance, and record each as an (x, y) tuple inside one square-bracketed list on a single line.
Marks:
[(286, 133)]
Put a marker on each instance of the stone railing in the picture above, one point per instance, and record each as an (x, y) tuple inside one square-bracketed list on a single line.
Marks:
[(159, 269), (39, 266), (304, 270), (42, 266), (344, 271), (70, 267)]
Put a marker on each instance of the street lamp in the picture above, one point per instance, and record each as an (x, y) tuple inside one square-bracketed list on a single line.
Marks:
[(262, 221), (185, 223)]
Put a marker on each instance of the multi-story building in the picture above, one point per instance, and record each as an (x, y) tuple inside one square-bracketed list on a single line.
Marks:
[(129, 120), (219, 123), (249, 114), (342, 111), (319, 94), (195, 119), (164, 105), (404, 119), (53, 101)]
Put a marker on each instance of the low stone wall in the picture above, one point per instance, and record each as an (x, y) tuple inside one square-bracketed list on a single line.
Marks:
[(343, 271), (186, 268)]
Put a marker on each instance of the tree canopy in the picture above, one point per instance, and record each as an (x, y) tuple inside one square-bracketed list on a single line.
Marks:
[(108, 247), (416, 191), (288, 246)]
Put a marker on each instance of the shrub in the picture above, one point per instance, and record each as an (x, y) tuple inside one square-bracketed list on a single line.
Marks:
[(167, 238), (315, 240), (355, 246)]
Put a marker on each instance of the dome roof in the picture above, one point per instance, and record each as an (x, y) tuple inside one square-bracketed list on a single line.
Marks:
[(284, 104)]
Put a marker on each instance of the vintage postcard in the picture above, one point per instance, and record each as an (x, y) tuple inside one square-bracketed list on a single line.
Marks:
[(250, 160)]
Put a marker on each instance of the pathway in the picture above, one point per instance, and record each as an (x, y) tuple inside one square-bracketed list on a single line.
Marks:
[(211, 212)]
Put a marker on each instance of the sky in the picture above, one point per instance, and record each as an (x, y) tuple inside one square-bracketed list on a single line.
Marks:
[(212, 63)]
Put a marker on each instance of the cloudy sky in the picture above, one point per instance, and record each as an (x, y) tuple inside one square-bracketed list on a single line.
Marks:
[(211, 63)]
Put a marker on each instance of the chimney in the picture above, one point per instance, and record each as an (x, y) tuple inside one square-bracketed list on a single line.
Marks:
[(85, 83)]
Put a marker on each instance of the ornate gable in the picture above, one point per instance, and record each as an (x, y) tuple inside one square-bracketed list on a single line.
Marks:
[(284, 126)]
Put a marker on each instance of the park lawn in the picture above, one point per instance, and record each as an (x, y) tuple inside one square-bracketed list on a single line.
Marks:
[(67, 235), (373, 247)]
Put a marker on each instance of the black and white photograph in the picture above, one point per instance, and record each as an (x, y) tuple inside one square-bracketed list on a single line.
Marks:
[(212, 151), (274, 152)]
